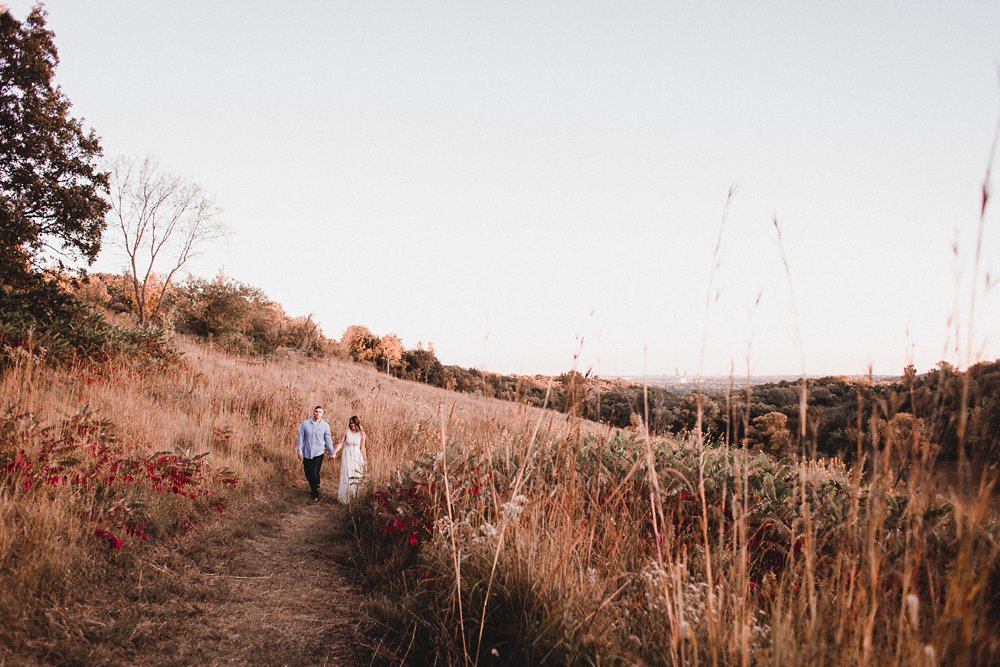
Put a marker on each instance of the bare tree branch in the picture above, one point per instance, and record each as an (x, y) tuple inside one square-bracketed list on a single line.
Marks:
[(161, 222)]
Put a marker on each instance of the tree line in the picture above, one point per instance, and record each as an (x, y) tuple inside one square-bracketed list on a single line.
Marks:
[(843, 417)]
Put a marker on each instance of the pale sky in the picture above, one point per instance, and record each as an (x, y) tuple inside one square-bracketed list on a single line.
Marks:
[(505, 178)]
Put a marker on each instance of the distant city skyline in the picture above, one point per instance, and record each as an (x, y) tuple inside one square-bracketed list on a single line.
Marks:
[(520, 182)]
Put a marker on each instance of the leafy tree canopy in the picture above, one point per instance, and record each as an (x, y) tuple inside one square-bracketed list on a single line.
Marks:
[(51, 191)]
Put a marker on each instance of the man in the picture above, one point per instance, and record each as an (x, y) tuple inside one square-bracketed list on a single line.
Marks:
[(314, 440)]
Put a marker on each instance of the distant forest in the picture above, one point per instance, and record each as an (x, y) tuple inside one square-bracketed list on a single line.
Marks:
[(838, 409)]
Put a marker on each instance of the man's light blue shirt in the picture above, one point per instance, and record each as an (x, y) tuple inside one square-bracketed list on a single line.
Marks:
[(314, 438)]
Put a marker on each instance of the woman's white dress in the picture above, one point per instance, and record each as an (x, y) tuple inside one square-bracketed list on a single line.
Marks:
[(352, 466)]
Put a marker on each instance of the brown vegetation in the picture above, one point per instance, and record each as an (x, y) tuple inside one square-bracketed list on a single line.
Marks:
[(62, 544), (543, 544), (594, 544)]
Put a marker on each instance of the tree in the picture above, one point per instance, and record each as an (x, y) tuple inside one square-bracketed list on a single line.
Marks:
[(772, 433), (362, 345), (392, 351), (213, 308), (423, 366), (51, 190), (161, 221)]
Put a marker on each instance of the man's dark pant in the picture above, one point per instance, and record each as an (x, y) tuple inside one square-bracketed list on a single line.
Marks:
[(312, 467)]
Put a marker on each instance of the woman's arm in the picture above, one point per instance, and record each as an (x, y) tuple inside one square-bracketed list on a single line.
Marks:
[(340, 444), (364, 442)]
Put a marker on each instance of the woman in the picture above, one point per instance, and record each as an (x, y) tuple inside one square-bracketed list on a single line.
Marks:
[(352, 464)]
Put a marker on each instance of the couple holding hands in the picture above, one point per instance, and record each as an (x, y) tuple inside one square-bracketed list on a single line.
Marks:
[(315, 439)]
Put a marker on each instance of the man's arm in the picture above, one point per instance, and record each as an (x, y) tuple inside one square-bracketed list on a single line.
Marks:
[(328, 441), (302, 440)]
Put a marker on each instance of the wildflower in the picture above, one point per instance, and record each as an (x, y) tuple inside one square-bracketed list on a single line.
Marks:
[(413, 539), (511, 509)]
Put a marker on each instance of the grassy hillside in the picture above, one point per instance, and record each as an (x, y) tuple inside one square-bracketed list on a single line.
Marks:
[(100, 461), (494, 532)]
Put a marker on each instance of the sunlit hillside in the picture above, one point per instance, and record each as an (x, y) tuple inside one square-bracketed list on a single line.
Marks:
[(100, 461), (493, 532)]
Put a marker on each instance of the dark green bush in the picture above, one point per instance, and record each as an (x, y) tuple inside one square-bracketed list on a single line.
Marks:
[(241, 319), (48, 321)]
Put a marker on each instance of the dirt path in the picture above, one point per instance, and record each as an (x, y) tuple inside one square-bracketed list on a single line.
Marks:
[(278, 597), (265, 585)]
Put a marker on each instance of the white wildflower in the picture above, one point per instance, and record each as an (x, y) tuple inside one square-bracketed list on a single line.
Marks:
[(511, 509)]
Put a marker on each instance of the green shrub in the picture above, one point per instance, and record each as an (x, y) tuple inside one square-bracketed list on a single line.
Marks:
[(50, 322), (241, 319)]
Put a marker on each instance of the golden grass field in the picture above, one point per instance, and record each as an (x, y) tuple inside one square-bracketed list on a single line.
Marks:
[(492, 533)]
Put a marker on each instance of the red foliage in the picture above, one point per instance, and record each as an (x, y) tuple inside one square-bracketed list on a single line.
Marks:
[(86, 456), (112, 540)]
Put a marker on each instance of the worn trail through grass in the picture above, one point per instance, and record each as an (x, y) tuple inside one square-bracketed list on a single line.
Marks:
[(266, 585), (276, 597)]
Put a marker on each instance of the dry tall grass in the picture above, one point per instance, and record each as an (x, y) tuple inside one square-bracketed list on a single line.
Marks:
[(496, 533), (522, 543), (74, 442)]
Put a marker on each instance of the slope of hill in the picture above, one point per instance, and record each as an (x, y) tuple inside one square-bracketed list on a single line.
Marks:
[(100, 464), (487, 531)]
